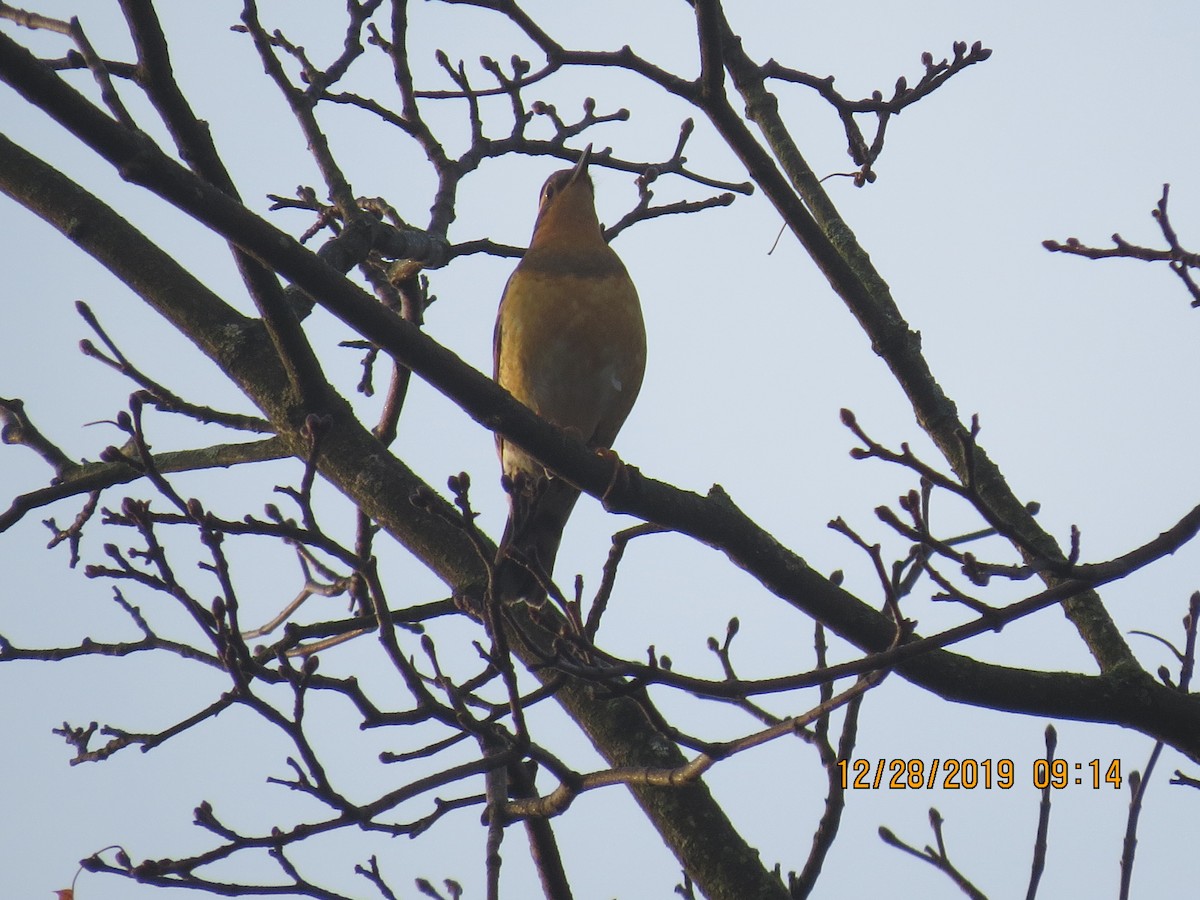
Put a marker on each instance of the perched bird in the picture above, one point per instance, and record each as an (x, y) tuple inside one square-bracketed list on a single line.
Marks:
[(569, 344)]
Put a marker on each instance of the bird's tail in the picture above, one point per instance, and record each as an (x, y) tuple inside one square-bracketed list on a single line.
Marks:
[(538, 512)]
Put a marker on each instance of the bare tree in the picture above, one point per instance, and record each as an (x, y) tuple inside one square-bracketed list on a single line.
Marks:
[(472, 739)]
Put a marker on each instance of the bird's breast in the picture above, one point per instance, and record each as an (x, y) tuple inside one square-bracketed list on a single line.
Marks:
[(572, 344)]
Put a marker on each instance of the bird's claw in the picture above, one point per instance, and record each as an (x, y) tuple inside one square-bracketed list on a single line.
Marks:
[(619, 479)]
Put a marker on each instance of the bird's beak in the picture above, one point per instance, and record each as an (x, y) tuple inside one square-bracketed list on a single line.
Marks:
[(581, 166)]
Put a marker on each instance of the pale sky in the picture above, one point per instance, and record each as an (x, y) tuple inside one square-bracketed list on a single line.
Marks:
[(1081, 373)]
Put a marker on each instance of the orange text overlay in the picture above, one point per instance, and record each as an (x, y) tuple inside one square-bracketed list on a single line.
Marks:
[(972, 774)]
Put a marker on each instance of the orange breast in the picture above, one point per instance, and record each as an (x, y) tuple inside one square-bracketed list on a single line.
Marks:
[(571, 344)]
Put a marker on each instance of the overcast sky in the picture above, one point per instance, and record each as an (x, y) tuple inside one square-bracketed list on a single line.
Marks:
[(1082, 374)]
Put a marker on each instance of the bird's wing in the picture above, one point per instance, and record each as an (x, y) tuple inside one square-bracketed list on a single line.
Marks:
[(497, 338)]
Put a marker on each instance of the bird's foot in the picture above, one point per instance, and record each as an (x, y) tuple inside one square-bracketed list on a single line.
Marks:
[(618, 481)]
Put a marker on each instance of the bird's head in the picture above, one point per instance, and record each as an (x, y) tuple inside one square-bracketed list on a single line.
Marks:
[(567, 207)]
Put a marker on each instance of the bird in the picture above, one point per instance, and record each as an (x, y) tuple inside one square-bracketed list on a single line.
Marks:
[(570, 344)]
